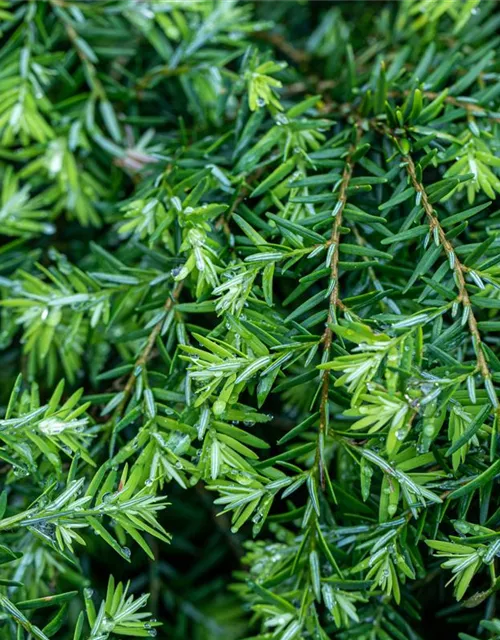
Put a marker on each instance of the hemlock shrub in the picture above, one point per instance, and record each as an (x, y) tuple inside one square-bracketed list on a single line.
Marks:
[(250, 261)]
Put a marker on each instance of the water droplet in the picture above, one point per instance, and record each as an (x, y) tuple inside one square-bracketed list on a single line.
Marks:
[(429, 430), (107, 624), (126, 552), (281, 119)]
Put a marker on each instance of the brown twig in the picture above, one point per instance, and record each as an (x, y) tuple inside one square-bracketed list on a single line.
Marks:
[(334, 295), (146, 351), (279, 42), (458, 267)]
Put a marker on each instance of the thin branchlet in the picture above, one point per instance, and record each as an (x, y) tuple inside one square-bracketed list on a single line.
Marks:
[(334, 298), (146, 351), (459, 269)]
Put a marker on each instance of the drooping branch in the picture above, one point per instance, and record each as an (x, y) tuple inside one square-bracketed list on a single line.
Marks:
[(334, 298), (145, 353), (458, 267)]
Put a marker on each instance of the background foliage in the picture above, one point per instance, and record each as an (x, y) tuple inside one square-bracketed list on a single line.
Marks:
[(249, 319)]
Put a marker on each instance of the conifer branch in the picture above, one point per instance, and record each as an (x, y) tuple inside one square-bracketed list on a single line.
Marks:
[(334, 298), (457, 266), (182, 349), (145, 354)]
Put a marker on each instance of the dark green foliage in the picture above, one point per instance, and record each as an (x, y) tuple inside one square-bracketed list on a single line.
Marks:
[(250, 262)]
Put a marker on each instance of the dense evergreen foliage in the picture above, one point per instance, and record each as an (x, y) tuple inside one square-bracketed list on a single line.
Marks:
[(250, 282)]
